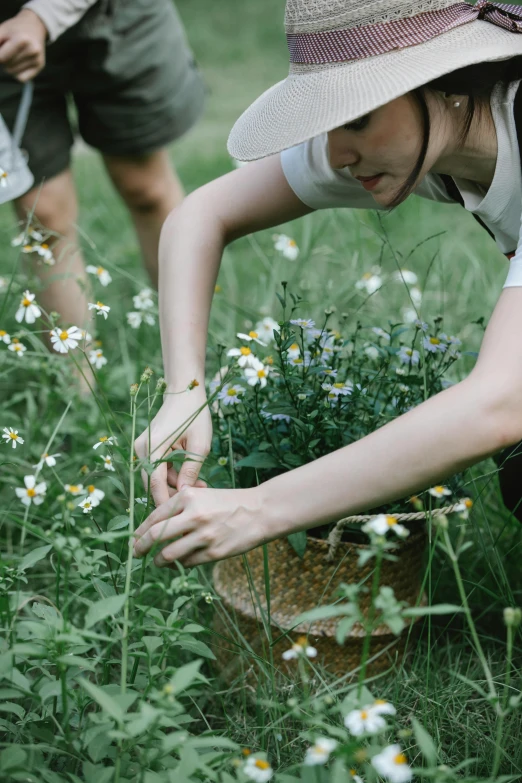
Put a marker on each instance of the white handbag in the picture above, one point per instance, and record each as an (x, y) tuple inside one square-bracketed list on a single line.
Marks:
[(15, 176)]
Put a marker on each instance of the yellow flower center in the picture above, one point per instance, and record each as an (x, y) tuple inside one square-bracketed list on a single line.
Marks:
[(302, 641), (18, 348), (292, 243), (390, 521), (44, 456), (294, 347), (27, 248), (468, 503), (261, 374), (100, 304), (400, 758), (2, 333), (434, 341), (269, 360), (73, 488), (13, 435), (3, 175), (16, 340), (338, 385), (439, 490), (364, 715), (31, 493), (217, 289), (381, 701), (260, 764), (26, 302), (253, 335), (297, 360), (103, 438), (245, 351), (366, 275), (231, 392), (246, 752), (408, 351), (100, 270), (44, 246), (99, 353), (64, 335), (91, 488), (108, 460)]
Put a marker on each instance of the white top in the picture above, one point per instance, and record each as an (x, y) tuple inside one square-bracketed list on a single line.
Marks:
[(59, 15), (317, 185)]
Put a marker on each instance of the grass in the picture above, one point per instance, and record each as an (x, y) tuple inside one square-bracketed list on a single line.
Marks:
[(240, 47)]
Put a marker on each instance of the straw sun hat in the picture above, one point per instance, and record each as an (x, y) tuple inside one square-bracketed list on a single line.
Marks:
[(348, 57)]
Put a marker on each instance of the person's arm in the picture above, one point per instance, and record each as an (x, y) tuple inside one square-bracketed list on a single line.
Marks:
[(449, 432), (193, 238), (58, 15)]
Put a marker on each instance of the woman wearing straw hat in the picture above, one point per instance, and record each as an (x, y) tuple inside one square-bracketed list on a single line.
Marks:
[(384, 98)]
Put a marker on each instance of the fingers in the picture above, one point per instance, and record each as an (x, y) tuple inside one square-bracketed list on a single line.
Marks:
[(170, 508), (159, 488), (185, 548), (173, 479), (10, 49), (161, 532), (189, 472)]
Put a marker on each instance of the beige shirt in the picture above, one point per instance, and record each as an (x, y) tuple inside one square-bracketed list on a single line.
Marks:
[(59, 15)]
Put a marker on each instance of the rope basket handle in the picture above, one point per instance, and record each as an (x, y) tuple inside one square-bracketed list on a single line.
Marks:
[(334, 539)]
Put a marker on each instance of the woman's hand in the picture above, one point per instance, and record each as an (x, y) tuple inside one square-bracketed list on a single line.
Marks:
[(164, 438), (201, 525), (22, 45)]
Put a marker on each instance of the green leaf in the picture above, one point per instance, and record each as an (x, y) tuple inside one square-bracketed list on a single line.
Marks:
[(425, 742), (258, 459), (298, 542), (212, 742), (104, 608), (420, 611), (14, 709), (116, 523), (185, 676), (106, 702), (34, 557), (152, 643), (12, 758), (76, 660), (325, 612), (343, 628)]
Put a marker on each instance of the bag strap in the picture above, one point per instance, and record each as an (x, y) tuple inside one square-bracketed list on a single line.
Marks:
[(22, 114)]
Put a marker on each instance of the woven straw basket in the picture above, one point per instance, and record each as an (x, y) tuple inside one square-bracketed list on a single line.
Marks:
[(299, 584)]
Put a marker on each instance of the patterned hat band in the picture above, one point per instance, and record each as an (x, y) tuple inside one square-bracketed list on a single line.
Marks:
[(356, 43)]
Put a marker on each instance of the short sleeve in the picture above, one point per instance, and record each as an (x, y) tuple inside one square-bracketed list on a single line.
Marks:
[(309, 174), (514, 277)]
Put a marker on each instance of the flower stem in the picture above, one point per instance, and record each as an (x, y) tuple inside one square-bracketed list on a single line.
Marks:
[(502, 715), (368, 626)]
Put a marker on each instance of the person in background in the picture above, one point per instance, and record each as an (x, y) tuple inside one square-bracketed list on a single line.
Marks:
[(128, 68)]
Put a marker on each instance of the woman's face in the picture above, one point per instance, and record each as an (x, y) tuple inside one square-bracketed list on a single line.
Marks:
[(382, 147)]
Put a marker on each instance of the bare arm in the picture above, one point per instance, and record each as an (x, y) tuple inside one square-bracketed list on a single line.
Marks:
[(249, 199)]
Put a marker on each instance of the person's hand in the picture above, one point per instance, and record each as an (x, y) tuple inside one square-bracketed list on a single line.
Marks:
[(202, 525), (165, 439), (22, 45)]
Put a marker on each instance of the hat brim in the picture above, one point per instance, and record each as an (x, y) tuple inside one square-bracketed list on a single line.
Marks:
[(310, 102)]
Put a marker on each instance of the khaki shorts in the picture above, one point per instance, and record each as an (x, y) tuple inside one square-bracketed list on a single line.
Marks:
[(132, 77)]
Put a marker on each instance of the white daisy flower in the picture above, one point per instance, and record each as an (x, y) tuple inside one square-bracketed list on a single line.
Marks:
[(107, 463), (85, 335), (287, 246), (257, 373), (229, 394), (320, 751), (250, 336), (28, 310), (293, 351), (355, 778), (141, 501), (101, 273), (135, 319), (439, 491), (245, 357), (409, 315), (74, 489), (416, 296), (295, 361), (304, 323), (452, 340), (369, 282), (372, 352), (97, 495), (47, 459), (408, 356), (341, 389), (258, 770), (11, 436), (367, 720), (100, 308), (406, 276), (4, 176), (4, 337), (65, 340), (143, 300), (463, 508), (45, 253), (301, 647), (434, 345), (266, 328), (275, 416), (97, 359), (381, 333), (329, 372), (422, 325), (33, 492), (105, 440), (17, 347), (392, 764), (382, 523), (87, 505)]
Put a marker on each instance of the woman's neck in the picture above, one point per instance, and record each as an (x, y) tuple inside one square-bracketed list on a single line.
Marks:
[(476, 159)]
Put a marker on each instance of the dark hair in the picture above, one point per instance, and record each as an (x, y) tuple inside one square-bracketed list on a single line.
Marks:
[(476, 82)]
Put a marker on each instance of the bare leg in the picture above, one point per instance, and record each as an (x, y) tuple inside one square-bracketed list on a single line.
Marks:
[(66, 284), (151, 189)]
